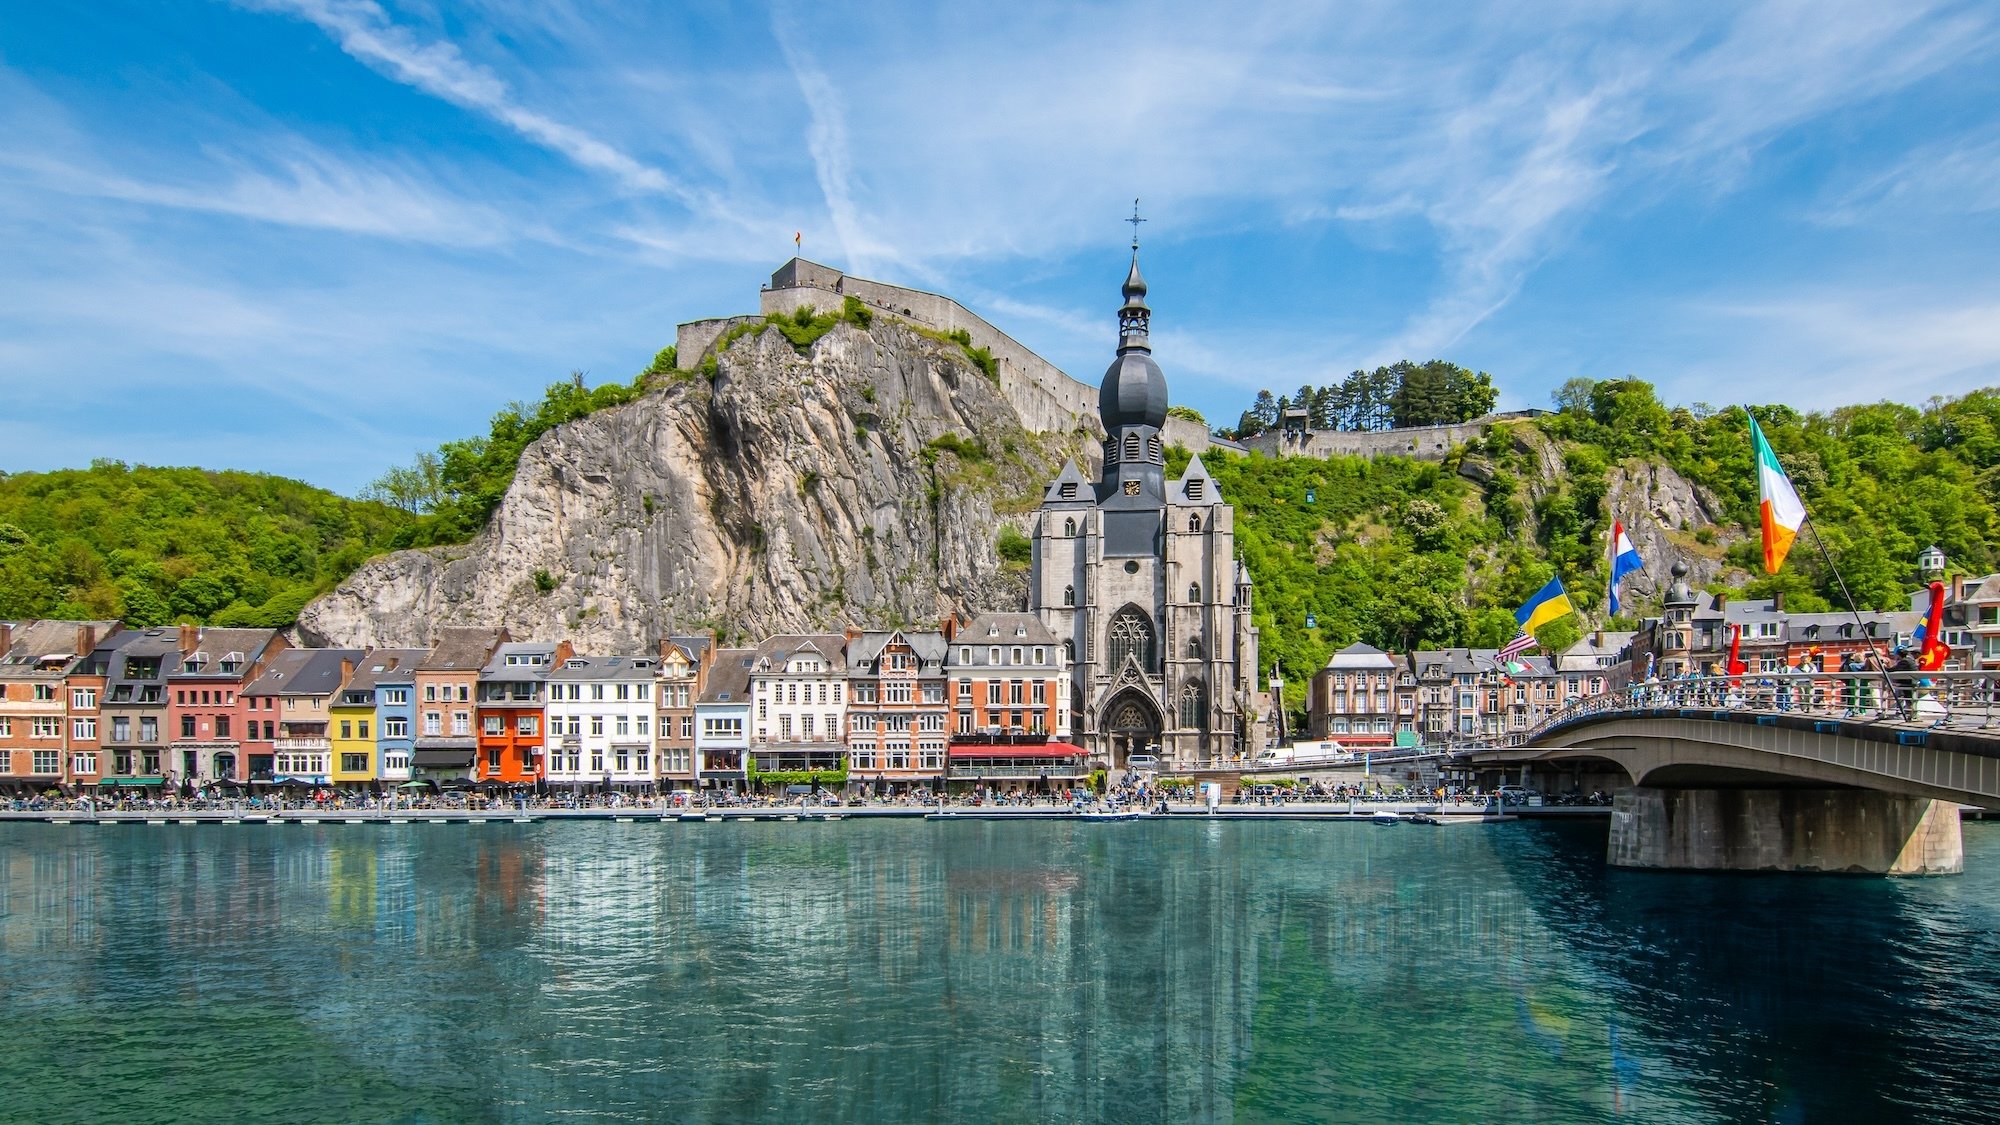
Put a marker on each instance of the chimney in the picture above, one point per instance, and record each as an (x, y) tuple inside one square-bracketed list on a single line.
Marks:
[(853, 634), (346, 671), (190, 638), (1597, 639), (86, 639), (949, 627), (6, 637), (1778, 601)]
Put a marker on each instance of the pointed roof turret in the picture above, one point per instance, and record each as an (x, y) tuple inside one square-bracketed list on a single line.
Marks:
[(1069, 486), (1196, 486)]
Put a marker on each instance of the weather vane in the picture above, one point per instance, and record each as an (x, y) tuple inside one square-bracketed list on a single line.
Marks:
[(1135, 220)]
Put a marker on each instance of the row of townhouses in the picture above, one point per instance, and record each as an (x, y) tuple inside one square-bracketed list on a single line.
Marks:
[(1365, 698), (92, 704), (1368, 699)]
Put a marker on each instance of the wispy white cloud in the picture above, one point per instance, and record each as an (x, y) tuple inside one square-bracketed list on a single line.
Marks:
[(1823, 348), (305, 187), (437, 67), (1336, 184), (1955, 177)]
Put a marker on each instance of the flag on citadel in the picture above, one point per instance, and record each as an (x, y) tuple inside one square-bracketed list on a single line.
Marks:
[(1777, 502), (1549, 603), (1624, 560)]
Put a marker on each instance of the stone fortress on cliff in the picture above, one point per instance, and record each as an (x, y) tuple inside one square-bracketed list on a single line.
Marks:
[(1046, 397)]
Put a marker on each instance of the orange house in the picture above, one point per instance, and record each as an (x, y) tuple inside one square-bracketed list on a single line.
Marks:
[(513, 724)]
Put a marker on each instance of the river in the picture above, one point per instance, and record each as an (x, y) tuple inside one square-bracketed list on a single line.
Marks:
[(917, 971)]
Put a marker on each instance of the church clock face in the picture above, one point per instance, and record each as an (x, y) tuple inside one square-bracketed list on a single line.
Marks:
[(1131, 488)]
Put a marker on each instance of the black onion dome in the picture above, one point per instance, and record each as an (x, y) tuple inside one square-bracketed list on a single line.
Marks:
[(1134, 392)]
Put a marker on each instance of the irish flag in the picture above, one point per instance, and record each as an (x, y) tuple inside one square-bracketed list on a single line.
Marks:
[(1777, 501)]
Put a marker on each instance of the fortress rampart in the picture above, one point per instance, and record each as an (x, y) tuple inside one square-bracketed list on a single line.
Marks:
[(1046, 398)]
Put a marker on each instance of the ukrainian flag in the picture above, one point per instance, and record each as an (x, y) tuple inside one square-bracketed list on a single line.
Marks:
[(1549, 603)]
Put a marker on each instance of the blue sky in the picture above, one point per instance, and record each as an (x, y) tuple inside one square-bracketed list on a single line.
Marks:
[(315, 236)]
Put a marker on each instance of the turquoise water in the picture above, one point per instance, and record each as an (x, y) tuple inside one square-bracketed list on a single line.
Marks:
[(914, 971)]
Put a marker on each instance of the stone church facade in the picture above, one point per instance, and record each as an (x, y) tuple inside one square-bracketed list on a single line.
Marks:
[(1137, 575)]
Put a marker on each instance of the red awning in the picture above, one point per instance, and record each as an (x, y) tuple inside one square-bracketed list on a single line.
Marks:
[(1053, 750)]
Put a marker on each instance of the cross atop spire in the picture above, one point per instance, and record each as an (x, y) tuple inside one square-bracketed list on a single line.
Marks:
[(1135, 220)]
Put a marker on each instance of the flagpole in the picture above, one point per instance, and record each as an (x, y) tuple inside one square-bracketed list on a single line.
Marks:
[(1806, 518), (1824, 554)]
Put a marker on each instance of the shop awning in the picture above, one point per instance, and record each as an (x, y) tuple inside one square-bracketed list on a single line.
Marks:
[(1054, 751), (113, 782), (441, 759), (301, 779)]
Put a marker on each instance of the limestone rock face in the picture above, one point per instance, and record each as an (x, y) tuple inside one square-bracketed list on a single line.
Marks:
[(863, 483), (1663, 512)]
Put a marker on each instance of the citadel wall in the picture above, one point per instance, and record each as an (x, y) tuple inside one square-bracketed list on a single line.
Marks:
[(1046, 398), (1422, 443)]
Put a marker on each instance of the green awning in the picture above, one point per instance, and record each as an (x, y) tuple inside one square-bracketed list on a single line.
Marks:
[(117, 781)]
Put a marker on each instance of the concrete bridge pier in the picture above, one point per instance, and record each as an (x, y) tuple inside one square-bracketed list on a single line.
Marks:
[(1855, 831)]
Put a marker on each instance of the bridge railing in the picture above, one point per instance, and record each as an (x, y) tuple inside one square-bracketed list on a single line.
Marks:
[(1968, 701)]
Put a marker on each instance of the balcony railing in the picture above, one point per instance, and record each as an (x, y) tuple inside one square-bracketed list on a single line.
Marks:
[(305, 745), (1962, 701)]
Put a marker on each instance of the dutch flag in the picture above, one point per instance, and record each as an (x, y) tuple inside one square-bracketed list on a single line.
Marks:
[(1624, 561)]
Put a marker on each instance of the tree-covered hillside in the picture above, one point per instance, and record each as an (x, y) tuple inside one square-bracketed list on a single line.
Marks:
[(1406, 554), (153, 545)]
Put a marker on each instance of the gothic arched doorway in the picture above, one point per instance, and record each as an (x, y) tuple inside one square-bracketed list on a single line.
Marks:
[(1131, 725)]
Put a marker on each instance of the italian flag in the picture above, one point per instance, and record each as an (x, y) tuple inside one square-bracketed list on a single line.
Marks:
[(1777, 502)]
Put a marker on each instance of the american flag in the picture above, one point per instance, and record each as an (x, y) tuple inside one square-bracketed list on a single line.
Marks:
[(1521, 643)]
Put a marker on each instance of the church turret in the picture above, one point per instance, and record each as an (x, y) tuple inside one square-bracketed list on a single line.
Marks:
[(1133, 404)]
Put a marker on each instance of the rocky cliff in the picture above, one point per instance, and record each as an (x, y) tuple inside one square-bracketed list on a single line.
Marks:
[(861, 482)]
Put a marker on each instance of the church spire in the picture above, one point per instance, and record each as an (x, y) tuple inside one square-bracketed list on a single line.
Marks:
[(1134, 317)]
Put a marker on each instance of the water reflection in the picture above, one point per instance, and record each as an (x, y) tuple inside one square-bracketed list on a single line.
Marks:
[(912, 970)]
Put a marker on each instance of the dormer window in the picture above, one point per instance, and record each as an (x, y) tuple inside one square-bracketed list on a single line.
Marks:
[(1195, 488), (1020, 630), (1068, 492), (195, 661), (576, 663), (992, 630)]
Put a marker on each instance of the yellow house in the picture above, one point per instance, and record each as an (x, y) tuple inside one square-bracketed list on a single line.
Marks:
[(351, 725)]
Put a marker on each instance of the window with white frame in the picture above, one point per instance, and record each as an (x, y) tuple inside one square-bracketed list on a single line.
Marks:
[(83, 763), (83, 730), (83, 699), (48, 761), (46, 728)]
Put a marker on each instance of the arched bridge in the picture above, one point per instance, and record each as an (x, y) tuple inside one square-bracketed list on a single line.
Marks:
[(1797, 771)]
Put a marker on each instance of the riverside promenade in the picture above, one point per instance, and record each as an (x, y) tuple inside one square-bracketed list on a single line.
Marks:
[(1357, 812)]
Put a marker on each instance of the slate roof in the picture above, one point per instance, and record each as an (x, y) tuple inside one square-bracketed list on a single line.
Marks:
[(864, 650), (781, 648), (729, 680), (219, 643), (497, 670), (462, 648), (303, 671), (40, 643), (605, 669), (385, 666)]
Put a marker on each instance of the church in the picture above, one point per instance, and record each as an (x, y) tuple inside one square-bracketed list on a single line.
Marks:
[(1138, 576)]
